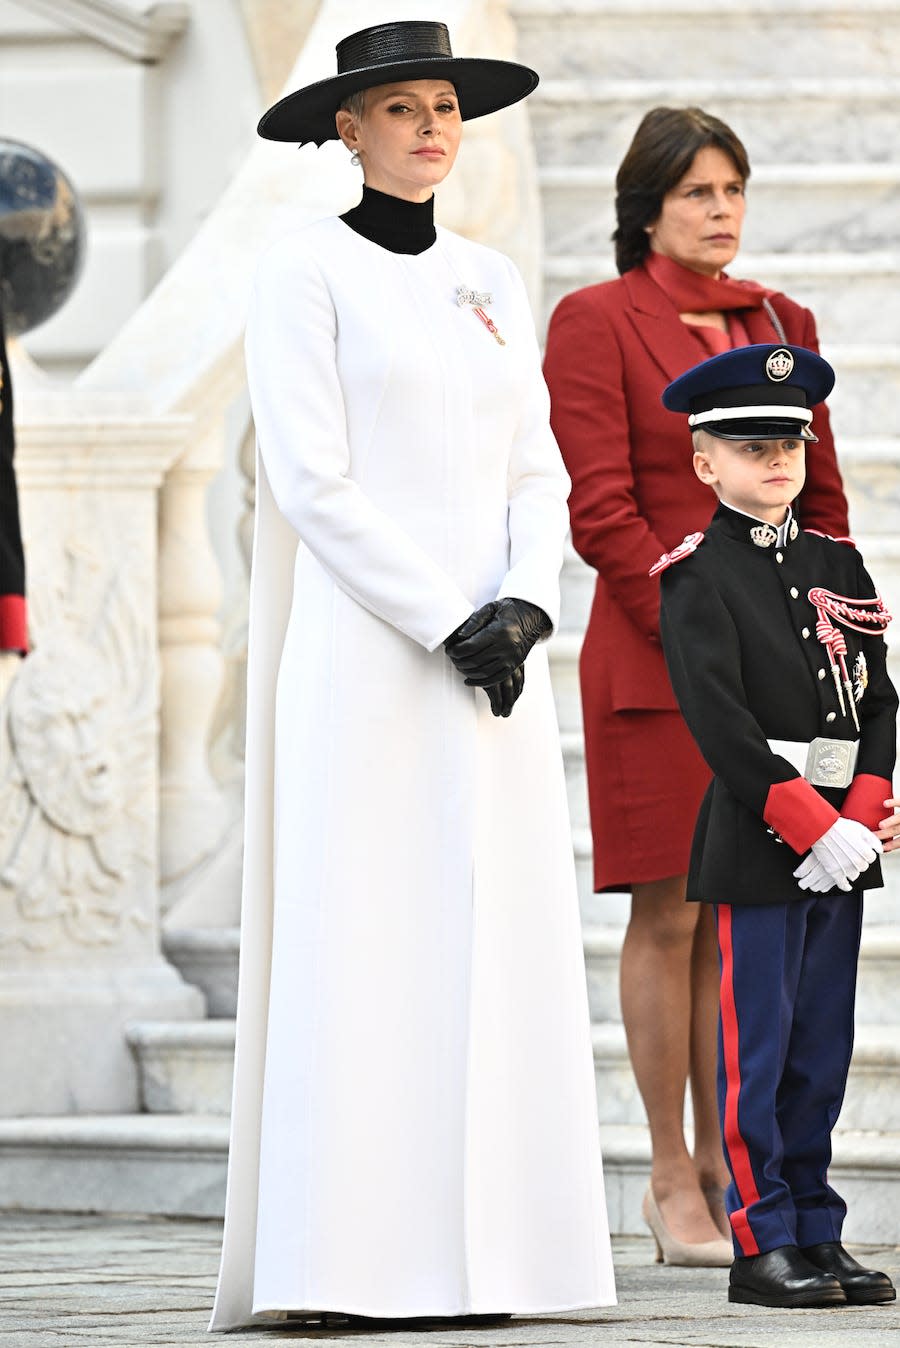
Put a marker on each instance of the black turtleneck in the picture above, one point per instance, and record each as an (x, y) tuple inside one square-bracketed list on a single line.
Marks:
[(398, 225)]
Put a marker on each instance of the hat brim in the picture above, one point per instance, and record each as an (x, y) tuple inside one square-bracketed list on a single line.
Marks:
[(482, 86), (769, 429)]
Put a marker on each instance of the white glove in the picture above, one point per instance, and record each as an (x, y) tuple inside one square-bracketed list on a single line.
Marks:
[(843, 853), (812, 875)]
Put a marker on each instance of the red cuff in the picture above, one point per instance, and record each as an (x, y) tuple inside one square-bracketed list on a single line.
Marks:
[(864, 801), (797, 812), (13, 623)]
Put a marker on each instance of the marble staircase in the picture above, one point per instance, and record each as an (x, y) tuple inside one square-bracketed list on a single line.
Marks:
[(811, 90)]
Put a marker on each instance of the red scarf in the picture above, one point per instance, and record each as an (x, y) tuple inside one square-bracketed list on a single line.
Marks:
[(694, 293)]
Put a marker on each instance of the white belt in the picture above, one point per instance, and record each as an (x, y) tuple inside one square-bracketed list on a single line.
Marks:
[(823, 762)]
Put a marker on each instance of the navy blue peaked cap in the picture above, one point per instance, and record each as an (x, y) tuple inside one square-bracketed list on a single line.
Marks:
[(761, 392)]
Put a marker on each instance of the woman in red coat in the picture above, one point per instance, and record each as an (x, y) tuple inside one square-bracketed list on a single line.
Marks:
[(611, 349)]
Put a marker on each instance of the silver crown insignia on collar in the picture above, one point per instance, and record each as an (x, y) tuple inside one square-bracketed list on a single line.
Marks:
[(465, 295), (794, 530), (763, 535)]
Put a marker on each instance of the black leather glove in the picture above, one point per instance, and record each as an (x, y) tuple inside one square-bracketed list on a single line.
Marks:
[(476, 620), (502, 696), (495, 640)]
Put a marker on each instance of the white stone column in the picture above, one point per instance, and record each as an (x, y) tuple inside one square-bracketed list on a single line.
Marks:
[(193, 809), (79, 912)]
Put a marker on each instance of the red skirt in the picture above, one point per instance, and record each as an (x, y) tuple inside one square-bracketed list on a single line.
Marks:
[(646, 779)]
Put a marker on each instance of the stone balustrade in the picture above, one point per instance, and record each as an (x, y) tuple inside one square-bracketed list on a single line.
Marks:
[(79, 790)]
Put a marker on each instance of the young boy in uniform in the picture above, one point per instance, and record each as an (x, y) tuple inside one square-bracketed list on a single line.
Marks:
[(773, 640)]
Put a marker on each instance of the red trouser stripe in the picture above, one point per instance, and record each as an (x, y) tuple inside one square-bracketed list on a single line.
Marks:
[(738, 1155)]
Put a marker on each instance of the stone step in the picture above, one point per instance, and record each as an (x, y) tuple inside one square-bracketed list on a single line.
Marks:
[(207, 958), (872, 492), (882, 939), (845, 291), (602, 949), (873, 1086), (868, 386), (867, 391), (872, 484), (882, 906), (876, 999), (563, 653), (642, 39), (791, 208), (865, 1171), (592, 121), (172, 1165), (175, 1166), (618, 1100), (185, 1067), (594, 907), (597, 910), (869, 467), (576, 777), (577, 583)]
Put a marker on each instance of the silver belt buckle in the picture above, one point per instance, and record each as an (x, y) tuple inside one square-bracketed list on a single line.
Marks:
[(831, 762)]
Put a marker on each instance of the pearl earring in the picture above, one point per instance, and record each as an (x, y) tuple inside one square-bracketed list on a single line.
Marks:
[(354, 159)]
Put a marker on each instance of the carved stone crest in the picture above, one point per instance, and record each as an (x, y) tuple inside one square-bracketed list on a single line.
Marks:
[(77, 760)]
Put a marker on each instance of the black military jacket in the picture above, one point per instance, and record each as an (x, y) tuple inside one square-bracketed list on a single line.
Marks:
[(12, 561), (739, 635)]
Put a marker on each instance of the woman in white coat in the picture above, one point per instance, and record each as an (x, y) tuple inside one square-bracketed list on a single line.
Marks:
[(414, 1129)]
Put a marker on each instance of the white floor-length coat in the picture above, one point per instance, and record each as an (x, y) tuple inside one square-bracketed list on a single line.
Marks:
[(414, 1127)]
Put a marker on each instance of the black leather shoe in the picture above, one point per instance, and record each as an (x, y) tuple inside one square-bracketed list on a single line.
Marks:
[(782, 1277), (862, 1286)]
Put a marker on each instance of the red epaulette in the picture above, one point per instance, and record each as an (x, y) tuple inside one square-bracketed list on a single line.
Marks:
[(851, 542), (690, 543)]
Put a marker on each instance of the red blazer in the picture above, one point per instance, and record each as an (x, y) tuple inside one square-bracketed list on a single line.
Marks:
[(611, 349)]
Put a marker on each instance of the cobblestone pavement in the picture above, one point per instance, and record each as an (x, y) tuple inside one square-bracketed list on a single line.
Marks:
[(99, 1282)]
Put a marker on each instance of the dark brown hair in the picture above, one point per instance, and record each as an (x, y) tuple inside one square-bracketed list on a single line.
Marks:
[(658, 157)]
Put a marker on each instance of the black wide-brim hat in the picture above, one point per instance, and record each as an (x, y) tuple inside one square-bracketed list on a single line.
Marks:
[(760, 392), (388, 52)]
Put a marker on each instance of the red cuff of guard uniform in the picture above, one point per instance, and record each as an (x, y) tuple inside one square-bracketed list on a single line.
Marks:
[(864, 801), (797, 812), (13, 623)]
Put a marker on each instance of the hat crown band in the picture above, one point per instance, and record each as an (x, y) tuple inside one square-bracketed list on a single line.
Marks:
[(410, 40), (746, 395)]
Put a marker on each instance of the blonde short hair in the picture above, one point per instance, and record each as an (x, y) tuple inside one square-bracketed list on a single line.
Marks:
[(355, 104)]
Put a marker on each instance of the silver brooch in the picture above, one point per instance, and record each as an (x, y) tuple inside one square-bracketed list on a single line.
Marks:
[(466, 295), (860, 677), (779, 365), (763, 535), (794, 530)]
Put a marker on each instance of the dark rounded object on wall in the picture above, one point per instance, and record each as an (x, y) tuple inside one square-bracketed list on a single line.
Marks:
[(42, 237)]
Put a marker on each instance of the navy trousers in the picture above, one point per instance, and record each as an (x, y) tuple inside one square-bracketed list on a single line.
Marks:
[(788, 987)]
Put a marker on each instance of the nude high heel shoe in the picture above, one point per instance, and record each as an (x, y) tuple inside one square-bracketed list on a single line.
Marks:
[(704, 1254)]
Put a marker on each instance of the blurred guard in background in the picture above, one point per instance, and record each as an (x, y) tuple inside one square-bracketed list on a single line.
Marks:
[(13, 622)]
